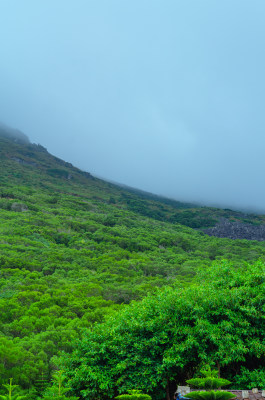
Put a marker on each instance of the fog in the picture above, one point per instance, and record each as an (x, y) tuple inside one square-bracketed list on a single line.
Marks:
[(166, 96)]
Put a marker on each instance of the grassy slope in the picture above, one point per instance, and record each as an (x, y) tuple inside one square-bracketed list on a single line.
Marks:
[(83, 247)]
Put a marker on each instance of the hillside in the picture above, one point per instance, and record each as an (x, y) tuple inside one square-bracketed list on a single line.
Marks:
[(31, 164), (74, 248)]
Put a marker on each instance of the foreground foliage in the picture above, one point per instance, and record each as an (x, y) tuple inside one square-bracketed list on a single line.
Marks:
[(11, 389), (58, 391), (250, 379), (168, 336), (134, 395)]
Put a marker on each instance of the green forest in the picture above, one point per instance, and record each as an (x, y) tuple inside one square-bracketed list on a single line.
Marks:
[(107, 289)]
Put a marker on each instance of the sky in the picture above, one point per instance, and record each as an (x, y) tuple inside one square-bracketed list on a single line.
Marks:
[(167, 96)]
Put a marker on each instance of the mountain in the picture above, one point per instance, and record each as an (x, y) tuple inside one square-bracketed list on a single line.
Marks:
[(74, 249), (13, 134), (17, 153)]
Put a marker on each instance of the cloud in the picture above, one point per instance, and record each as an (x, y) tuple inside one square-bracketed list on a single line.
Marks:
[(168, 98)]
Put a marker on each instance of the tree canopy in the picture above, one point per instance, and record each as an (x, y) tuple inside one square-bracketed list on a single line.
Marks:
[(170, 335)]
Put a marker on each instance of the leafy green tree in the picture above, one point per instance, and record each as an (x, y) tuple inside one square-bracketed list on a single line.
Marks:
[(250, 378), (169, 335)]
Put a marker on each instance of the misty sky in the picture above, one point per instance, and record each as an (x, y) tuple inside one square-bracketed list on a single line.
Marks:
[(166, 96)]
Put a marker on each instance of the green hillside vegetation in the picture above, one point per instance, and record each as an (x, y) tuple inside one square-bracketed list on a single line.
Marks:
[(74, 249), (159, 343)]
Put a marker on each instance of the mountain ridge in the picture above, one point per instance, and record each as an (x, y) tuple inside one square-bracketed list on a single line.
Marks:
[(13, 134), (22, 155)]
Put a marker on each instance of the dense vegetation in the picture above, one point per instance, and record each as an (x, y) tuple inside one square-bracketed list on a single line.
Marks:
[(74, 249), (166, 338)]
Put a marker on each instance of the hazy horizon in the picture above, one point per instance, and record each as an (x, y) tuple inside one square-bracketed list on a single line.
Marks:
[(166, 97)]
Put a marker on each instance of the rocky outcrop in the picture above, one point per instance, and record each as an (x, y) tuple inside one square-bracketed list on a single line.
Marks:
[(22, 161), (19, 207), (236, 230)]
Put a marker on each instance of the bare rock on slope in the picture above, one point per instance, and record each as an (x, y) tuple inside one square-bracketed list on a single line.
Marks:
[(237, 230)]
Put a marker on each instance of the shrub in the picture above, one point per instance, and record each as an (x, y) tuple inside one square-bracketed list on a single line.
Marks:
[(209, 383), (134, 395)]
